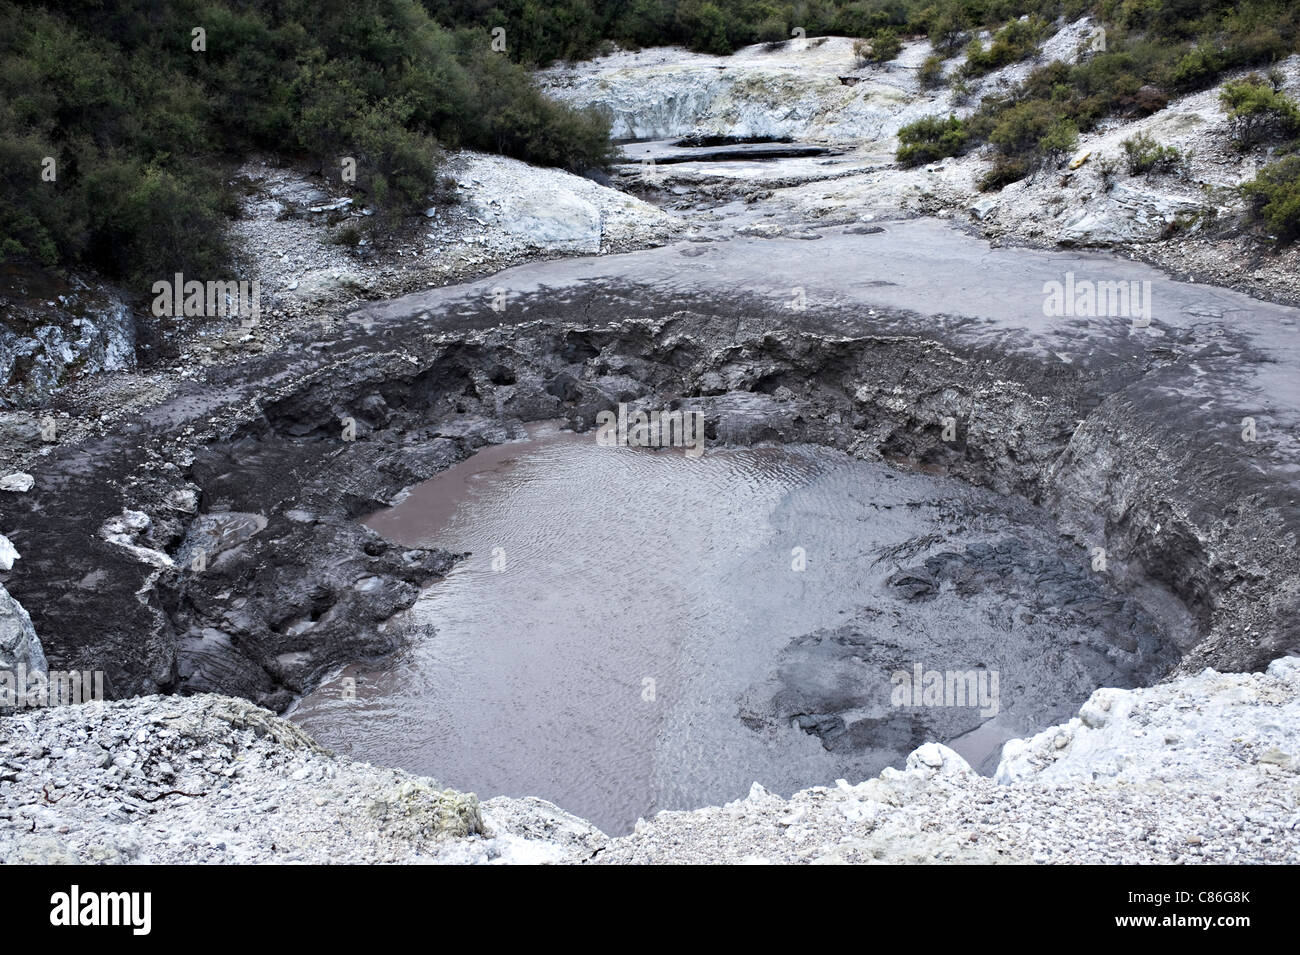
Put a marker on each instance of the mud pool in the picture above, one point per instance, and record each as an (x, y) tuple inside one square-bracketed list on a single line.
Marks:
[(631, 633)]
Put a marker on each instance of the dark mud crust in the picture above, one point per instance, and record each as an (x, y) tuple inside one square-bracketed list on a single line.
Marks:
[(1109, 446)]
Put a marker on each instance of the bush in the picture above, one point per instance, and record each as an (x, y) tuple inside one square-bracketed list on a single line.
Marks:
[(1004, 172), (706, 24), (1016, 41), (1143, 154), (1258, 113), (141, 128), (930, 75), (772, 30), (147, 221), (1033, 133), (1107, 167), (880, 48), (1147, 100), (931, 138), (948, 30), (1028, 135), (1274, 195), (136, 121), (1197, 69)]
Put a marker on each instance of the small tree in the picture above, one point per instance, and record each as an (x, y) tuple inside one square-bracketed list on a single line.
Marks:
[(931, 138), (948, 32)]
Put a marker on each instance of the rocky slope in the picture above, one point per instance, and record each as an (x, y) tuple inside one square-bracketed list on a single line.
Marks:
[(82, 342), (168, 780), (501, 211), (1203, 769), (54, 330), (813, 91)]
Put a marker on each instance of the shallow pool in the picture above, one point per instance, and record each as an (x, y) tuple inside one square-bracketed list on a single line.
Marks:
[(639, 630)]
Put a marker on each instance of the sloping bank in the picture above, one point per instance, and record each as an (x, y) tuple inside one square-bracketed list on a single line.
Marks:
[(1202, 769)]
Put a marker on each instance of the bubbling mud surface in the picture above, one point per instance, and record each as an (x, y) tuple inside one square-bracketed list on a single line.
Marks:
[(637, 630)]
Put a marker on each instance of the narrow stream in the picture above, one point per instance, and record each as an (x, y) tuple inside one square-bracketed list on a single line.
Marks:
[(639, 630)]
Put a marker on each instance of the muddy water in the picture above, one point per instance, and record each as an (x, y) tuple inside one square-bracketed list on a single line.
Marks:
[(636, 630)]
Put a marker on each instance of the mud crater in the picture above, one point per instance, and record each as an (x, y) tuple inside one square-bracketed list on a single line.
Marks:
[(296, 586)]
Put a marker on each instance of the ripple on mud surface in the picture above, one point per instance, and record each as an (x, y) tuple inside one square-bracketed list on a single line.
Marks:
[(630, 635)]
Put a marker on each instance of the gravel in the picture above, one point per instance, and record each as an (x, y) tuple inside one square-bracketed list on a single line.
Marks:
[(217, 780), (1204, 769), (1201, 770)]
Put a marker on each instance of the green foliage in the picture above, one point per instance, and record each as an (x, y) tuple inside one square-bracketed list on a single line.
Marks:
[(1028, 135), (1275, 198), (706, 24), (1258, 113), (948, 29), (930, 75), (1033, 131), (140, 126), (1152, 47), (1225, 34), (510, 116), (1197, 68), (1142, 154), (932, 138), (1004, 172), (1018, 40), (882, 47)]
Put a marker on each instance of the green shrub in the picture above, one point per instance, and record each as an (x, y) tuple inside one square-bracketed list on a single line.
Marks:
[(773, 29), (136, 121), (931, 138), (707, 26), (1028, 135), (948, 30), (147, 221), (1198, 68), (1033, 133), (881, 47), (1004, 172), (930, 74), (1016, 41), (143, 130), (1142, 154), (1274, 195), (1060, 139), (1258, 113)]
